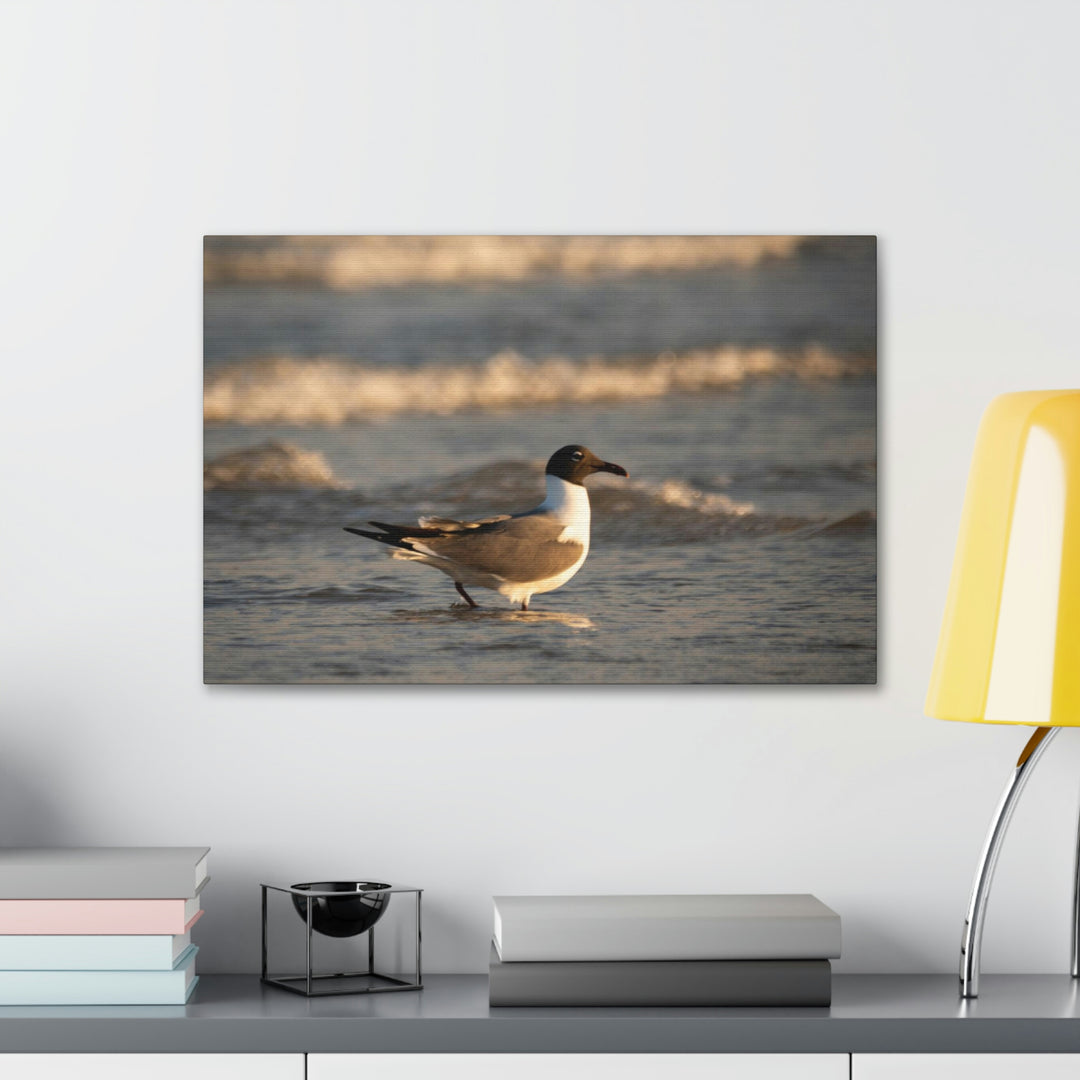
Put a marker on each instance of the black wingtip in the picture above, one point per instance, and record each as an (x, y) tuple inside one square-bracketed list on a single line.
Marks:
[(383, 538), (364, 532)]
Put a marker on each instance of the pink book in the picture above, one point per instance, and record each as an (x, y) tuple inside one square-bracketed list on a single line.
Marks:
[(98, 916)]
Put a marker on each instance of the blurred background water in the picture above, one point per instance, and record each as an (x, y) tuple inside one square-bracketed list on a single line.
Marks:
[(383, 378)]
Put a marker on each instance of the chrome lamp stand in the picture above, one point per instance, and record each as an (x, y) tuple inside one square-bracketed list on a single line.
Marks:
[(971, 945)]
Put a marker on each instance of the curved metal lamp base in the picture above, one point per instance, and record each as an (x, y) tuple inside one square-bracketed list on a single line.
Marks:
[(971, 945)]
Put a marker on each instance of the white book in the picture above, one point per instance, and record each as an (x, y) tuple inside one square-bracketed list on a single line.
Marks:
[(788, 926), (91, 952)]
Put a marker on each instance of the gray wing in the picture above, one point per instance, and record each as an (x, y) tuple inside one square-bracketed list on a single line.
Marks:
[(453, 525), (524, 548)]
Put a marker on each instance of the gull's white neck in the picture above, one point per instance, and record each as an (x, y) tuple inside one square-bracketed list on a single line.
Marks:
[(569, 504)]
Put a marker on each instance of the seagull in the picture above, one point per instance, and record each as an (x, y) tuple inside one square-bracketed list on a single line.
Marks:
[(517, 555)]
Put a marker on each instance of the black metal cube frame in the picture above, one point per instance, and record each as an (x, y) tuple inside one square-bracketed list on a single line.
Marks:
[(311, 985)]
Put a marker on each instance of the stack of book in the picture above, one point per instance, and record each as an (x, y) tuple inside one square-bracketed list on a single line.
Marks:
[(663, 950), (99, 926)]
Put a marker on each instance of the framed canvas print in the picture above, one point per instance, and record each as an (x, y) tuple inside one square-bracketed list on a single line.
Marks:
[(540, 459)]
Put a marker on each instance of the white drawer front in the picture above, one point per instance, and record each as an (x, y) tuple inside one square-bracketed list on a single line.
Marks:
[(965, 1067), (578, 1066), (152, 1066)]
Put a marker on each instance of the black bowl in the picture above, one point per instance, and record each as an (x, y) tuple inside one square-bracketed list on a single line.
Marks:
[(342, 916)]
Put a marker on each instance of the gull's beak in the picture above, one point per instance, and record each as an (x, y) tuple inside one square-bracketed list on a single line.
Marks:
[(610, 466)]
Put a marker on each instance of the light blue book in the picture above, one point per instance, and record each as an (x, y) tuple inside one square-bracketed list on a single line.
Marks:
[(169, 987), (91, 952)]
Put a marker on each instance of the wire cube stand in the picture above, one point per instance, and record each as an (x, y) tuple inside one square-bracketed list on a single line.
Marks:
[(310, 984)]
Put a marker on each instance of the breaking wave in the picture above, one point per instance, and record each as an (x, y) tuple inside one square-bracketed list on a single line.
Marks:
[(363, 261), (519, 484), (273, 466), (330, 391), (653, 511), (857, 524), (657, 511)]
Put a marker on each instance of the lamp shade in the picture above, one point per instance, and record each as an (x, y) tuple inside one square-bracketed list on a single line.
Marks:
[(1009, 650)]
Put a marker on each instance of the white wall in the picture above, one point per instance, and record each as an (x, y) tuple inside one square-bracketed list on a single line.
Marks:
[(131, 129)]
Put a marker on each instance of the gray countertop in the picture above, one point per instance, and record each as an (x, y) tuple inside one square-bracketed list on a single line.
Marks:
[(870, 1014)]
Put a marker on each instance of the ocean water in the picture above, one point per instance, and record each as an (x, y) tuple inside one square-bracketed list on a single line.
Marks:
[(742, 548)]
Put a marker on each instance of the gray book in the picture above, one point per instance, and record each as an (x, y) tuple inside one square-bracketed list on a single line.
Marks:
[(709, 927), (104, 873), (687, 983)]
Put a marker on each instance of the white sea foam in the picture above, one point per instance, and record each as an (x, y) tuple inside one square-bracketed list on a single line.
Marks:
[(360, 261), (331, 391), (677, 494)]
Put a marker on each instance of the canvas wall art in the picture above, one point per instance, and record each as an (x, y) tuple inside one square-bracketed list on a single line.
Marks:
[(538, 459)]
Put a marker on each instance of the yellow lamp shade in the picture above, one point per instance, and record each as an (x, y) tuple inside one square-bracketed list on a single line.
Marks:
[(1009, 650)]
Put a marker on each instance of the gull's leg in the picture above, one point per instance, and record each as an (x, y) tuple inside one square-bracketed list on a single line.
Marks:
[(468, 599), (971, 946)]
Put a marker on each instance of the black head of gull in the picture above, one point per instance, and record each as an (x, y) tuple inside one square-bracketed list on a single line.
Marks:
[(574, 463)]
